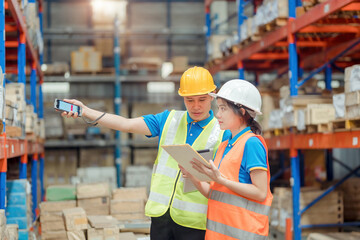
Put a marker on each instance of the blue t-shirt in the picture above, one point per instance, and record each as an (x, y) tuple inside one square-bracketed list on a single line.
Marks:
[(254, 156), (156, 125)]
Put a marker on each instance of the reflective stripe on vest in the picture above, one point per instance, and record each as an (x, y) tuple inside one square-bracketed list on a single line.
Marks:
[(240, 202), (186, 209), (231, 215), (233, 232)]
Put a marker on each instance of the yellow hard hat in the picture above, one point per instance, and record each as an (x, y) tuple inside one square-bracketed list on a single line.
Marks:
[(196, 81)]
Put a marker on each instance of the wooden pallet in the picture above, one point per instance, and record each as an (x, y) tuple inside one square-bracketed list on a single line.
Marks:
[(319, 128), (346, 125), (274, 24)]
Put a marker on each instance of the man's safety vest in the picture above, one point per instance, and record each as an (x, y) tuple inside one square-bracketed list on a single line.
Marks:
[(230, 215), (166, 191)]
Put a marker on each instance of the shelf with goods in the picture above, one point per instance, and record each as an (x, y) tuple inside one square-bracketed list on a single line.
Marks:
[(324, 38), (20, 57)]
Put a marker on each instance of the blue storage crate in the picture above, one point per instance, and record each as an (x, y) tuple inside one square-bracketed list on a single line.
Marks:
[(17, 199), (16, 211), (23, 235), (16, 186), (21, 221)]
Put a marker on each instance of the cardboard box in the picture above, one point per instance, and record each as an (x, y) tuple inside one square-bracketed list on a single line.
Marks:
[(127, 236), (75, 219), (130, 216), (56, 206), (319, 113), (180, 64), (352, 98), (92, 190), (76, 235), (111, 233), (86, 61), (54, 235), (95, 234), (352, 112), (52, 226), (102, 221), (95, 206), (129, 193), (127, 206)]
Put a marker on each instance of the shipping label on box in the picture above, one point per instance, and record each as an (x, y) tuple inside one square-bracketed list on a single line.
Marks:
[(75, 219)]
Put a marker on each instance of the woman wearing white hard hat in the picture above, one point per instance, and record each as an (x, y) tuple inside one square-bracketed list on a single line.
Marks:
[(239, 195)]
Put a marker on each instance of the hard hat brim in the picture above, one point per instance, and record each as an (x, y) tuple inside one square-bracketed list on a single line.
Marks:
[(214, 95)]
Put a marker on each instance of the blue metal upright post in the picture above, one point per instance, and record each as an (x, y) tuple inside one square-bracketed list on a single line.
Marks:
[(240, 12), (41, 175), (295, 184), (117, 100), (293, 57), (22, 59), (328, 73), (34, 177), (3, 163), (33, 86), (208, 30)]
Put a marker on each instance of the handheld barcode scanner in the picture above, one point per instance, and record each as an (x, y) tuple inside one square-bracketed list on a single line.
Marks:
[(67, 107)]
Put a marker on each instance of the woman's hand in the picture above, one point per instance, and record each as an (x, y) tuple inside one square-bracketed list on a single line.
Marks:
[(210, 171), (74, 114)]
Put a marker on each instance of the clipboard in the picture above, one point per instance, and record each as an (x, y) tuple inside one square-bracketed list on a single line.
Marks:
[(184, 154)]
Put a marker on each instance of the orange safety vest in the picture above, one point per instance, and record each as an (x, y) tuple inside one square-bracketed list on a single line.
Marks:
[(230, 215)]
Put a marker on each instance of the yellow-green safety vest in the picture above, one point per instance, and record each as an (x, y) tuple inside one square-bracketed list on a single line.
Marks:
[(186, 209)]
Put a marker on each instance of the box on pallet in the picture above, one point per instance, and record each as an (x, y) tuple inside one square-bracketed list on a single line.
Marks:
[(319, 113), (86, 60), (75, 219), (327, 211), (214, 46), (76, 235), (95, 206), (138, 176), (180, 64), (97, 174), (54, 235), (125, 210), (352, 98), (352, 112), (352, 78), (51, 215), (85, 190), (339, 105)]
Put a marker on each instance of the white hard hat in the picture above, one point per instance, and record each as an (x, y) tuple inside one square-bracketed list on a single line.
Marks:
[(243, 93)]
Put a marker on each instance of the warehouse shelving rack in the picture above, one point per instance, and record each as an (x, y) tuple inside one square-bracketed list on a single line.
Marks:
[(317, 41), (20, 51)]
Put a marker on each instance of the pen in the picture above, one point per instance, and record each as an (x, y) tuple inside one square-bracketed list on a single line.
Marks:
[(203, 151)]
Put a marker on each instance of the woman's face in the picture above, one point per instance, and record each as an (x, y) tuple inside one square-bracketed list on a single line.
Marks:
[(228, 120)]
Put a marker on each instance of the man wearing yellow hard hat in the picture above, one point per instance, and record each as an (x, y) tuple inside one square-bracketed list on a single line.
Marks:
[(174, 213)]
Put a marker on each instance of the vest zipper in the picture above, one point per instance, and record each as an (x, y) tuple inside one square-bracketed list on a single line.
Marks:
[(174, 190)]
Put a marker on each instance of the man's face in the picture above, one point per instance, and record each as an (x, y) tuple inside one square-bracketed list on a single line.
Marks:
[(198, 106)]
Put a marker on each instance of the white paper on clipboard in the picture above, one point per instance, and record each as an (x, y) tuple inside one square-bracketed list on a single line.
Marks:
[(188, 184), (184, 154)]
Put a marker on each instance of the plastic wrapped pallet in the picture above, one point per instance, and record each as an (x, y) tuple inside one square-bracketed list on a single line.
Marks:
[(352, 78), (75, 219), (275, 119), (339, 105), (60, 193)]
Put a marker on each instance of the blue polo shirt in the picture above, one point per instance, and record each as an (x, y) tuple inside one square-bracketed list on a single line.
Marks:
[(156, 125), (254, 156)]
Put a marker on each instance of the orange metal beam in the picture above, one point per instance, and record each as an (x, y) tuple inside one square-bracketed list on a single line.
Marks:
[(303, 44), (352, 7), (269, 56), (10, 28), (330, 29), (11, 44)]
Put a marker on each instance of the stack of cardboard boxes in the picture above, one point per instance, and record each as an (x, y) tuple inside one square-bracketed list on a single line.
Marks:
[(94, 198), (51, 218)]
